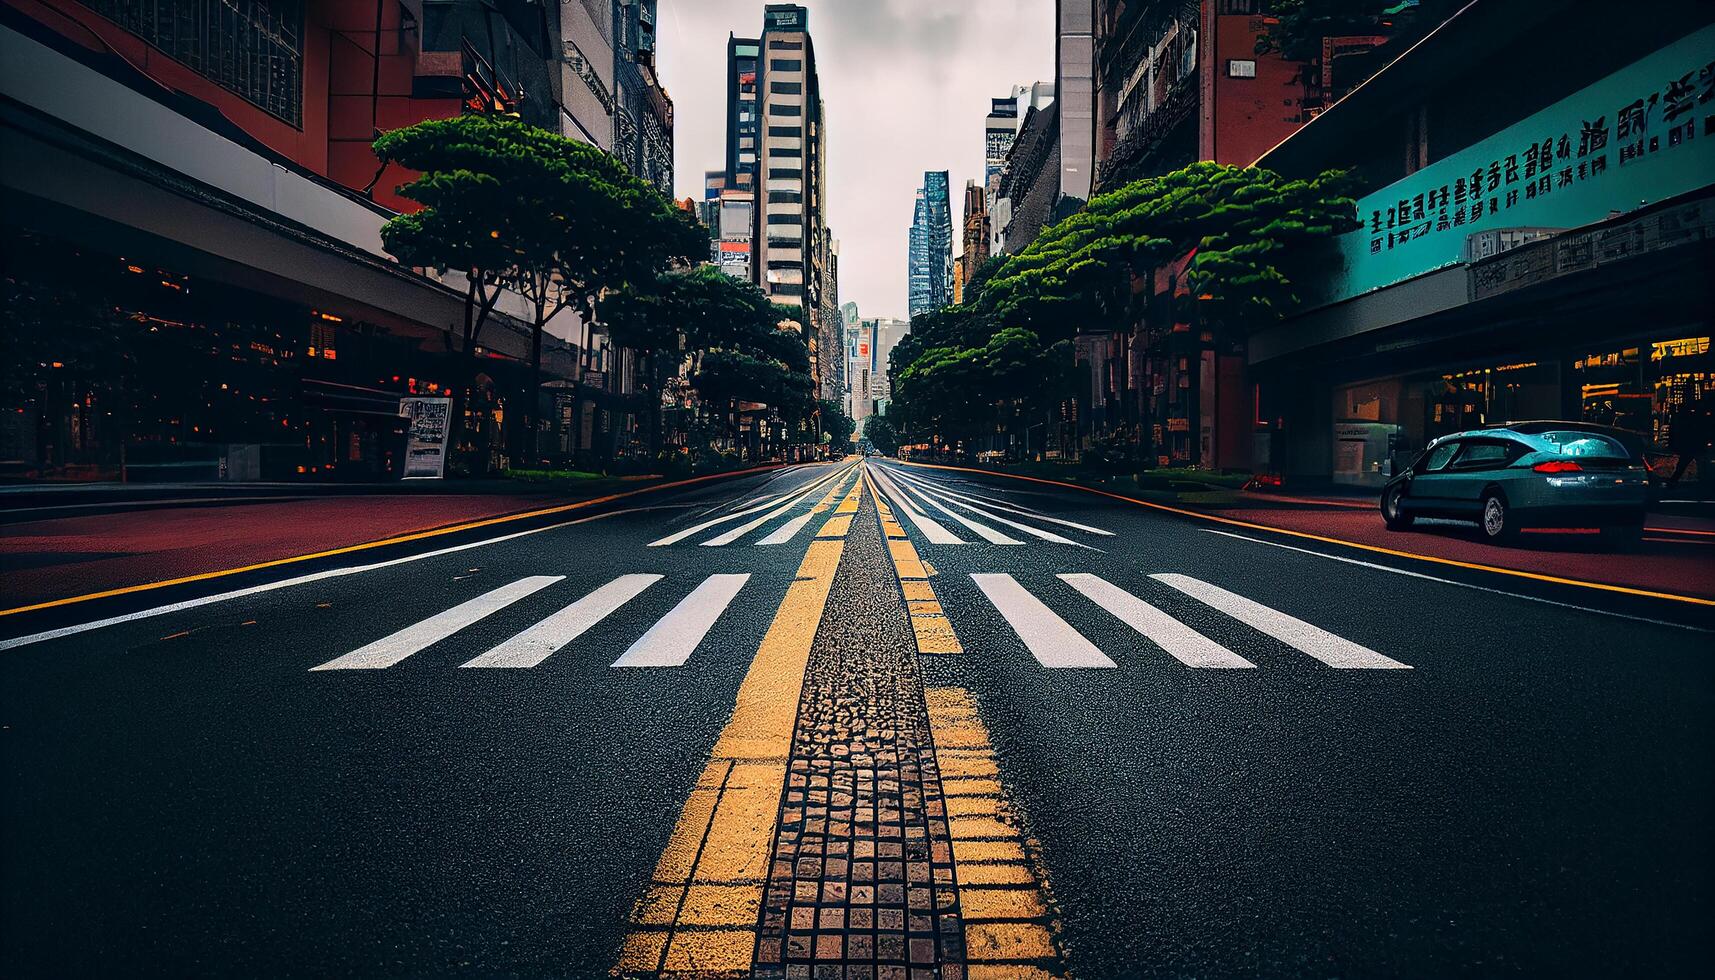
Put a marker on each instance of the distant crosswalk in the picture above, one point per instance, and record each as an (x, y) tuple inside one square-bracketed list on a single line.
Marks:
[(941, 514), (1054, 618)]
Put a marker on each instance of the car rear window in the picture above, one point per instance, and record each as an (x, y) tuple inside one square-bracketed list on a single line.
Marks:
[(1572, 442)]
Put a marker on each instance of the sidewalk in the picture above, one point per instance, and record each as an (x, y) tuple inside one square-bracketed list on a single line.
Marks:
[(62, 541), (1677, 555)]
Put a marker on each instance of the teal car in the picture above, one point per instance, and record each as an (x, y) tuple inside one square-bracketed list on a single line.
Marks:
[(1526, 474)]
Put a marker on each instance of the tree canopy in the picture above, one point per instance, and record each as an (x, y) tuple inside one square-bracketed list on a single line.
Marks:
[(1006, 352)]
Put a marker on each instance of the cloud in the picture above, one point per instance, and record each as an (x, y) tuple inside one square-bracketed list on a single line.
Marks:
[(906, 84)]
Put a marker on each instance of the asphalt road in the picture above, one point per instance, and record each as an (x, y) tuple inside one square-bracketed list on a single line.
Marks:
[(1323, 762)]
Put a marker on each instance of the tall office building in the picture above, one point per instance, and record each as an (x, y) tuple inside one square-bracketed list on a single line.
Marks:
[(930, 272), (788, 248), (999, 130), (976, 235), (743, 116), (1075, 90)]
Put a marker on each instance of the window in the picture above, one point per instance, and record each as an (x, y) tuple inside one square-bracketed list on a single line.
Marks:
[(786, 219), (792, 173), (795, 131), (1485, 455), (1437, 459), (776, 45), (781, 109), (785, 197), (782, 264), (785, 64), (786, 88), (252, 48), (783, 152), (785, 243), (787, 288), (1586, 444)]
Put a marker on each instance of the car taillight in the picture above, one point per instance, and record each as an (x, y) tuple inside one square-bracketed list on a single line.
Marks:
[(1558, 466)]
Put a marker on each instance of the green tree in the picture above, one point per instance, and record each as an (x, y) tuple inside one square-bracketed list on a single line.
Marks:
[(1006, 352), (837, 426), (881, 433), (564, 221)]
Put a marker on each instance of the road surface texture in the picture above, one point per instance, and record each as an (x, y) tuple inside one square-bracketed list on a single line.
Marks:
[(860, 719)]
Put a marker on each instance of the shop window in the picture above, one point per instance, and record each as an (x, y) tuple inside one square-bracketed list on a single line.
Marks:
[(252, 48)]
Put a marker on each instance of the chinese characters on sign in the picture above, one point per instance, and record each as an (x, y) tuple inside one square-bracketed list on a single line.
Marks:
[(1664, 120)]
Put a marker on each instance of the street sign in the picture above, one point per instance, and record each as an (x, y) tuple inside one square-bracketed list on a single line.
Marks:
[(426, 445)]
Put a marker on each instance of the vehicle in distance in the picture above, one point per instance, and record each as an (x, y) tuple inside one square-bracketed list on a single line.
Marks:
[(1526, 474)]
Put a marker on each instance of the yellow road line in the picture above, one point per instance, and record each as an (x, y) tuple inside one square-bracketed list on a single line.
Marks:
[(698, 917), (384, 542), (1003, 896), (929, 622), (1378, 549)]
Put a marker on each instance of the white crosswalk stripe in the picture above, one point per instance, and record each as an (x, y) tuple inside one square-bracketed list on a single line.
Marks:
[(389, 650), (992, 503), (791, 498), (540, 641), (1188, 646), (930, 529), (981, 530), (1050, 639), (738, 532), (975, 509), (1335, 651), (672, 640)]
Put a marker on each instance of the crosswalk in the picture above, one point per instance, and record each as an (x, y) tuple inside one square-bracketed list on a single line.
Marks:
[(1041, 616), (941, 514), (1055, 643), (920, 499)]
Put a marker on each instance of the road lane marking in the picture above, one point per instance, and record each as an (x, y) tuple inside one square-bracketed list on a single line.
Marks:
[(395, 647), (1463, 585), (788, 530), (791, 497), (1335, 651), (542, 640), (981, 530), (1185, 644), (733, 535), (932, 531), (1003, 895), (718, 854), (332, 573), (930, 626), (1015, 509), (367, 545), (1049, 536), (673, 638), (1050, 639), (1475, 566)]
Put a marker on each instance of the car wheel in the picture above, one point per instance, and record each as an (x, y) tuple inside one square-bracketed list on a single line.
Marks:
[(1393, 509), (1497, 521), (1623, 537)]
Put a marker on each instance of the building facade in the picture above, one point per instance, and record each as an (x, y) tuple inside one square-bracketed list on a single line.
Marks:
[(1541, 253), (195, 270), (976, 234), (930, 253), (743, 115)]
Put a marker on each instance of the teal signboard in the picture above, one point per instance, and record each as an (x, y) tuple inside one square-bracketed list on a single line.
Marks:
[(1640, 135)]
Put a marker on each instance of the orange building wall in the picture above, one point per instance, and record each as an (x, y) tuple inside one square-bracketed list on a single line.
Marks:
[(339, 114), (1250, 115)]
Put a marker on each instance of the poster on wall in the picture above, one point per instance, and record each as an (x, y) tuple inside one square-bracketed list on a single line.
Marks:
[(426, 445)]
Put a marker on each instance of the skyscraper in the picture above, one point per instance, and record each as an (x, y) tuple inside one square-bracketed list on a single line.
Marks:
[(1075, 89), (792, 221), (976, 233), (930, 270), (742, 115), (999, 130)]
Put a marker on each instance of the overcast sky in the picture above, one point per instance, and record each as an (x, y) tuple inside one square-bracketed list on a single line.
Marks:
[(906, 84)]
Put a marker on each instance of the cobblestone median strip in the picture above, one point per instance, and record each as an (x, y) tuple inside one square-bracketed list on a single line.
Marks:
[(1008, 928), (699, 915), (929, 623), (861, 880)]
